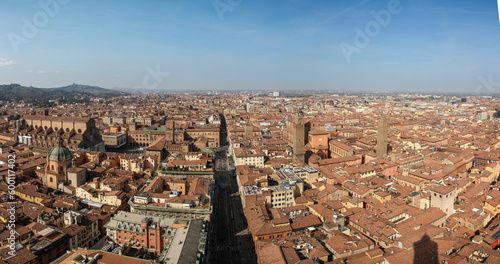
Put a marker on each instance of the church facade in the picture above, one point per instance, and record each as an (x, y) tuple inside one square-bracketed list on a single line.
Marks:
[(61, 169), (76, 132)]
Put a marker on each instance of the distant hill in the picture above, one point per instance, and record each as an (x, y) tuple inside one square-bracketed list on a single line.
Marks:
[(94, 90), (141, 90), (66, 94), (130, 90)]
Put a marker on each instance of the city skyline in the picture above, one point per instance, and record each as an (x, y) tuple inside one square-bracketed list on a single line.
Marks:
[(412, 46)]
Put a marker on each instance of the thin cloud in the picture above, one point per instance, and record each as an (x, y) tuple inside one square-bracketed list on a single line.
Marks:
[(349, 9), (456, 10), (5, 62), (472, 25)]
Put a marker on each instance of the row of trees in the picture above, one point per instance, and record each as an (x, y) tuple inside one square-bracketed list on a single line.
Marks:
[(11, 117), (497, 113)]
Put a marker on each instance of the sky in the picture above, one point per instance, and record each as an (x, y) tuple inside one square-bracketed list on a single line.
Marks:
[(336, 45)]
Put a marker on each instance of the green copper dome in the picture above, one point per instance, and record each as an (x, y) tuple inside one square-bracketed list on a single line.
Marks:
[(60, 152)]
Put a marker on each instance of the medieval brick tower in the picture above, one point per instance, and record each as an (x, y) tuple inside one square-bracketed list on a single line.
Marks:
[(298, 138), (170, 130), (382, 138)]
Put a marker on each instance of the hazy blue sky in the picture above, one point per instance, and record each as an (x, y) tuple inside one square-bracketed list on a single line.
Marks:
[(425, 45)]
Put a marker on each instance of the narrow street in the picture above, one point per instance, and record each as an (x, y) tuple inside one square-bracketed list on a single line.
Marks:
[(230, 241)]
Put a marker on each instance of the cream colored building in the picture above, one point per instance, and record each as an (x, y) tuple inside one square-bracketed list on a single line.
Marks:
[(282, 196), (113, 198), (245, 156)]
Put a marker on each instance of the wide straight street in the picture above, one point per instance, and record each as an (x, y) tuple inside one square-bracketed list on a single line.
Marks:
[(230, 240)]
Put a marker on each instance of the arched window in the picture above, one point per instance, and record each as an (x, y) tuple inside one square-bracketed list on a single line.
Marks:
[(67, 129)]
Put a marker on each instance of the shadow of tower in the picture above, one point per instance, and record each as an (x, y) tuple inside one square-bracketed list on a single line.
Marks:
[(425, 251)]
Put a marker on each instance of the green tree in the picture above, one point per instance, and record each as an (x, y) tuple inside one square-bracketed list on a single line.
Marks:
[(497, 113)]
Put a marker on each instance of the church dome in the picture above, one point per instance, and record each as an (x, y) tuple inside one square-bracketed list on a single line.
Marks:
[(60, 152)]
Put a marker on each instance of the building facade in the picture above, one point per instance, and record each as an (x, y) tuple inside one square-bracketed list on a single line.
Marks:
[(77, 132)]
